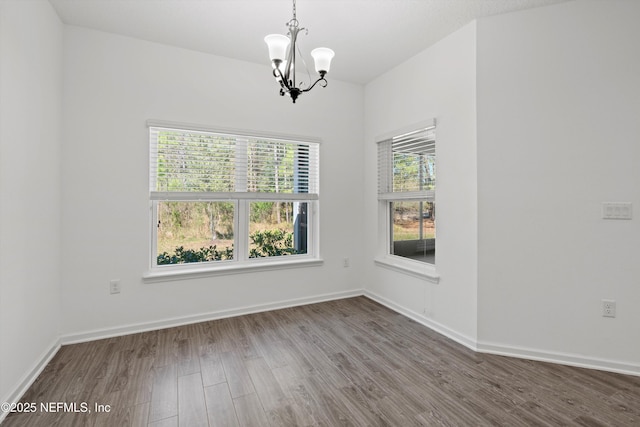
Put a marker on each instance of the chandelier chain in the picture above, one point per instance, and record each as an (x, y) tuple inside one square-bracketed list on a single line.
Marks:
[(293, 23)]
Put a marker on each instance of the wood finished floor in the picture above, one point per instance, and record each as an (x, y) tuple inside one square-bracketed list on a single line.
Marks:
[(350, 362)]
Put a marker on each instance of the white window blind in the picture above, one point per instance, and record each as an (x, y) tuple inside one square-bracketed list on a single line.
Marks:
[(407, 166), (200, 165)]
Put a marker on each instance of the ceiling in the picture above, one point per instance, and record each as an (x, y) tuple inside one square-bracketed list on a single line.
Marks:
[(369, 36)]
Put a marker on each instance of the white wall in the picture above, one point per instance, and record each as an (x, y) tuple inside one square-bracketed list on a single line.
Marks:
[(113, 84), (438, 83), (30, 135), (558, 134), (523, 254)]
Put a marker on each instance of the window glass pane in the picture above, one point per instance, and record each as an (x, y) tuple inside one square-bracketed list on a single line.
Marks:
[(277, 229), (194, 232), (193, 161), (278, 167), (413, 230), (413, 171)]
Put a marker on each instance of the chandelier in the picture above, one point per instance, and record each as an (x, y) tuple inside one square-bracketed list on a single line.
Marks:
[(282, 51)]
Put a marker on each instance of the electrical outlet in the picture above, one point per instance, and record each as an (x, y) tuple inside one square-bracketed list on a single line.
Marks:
[(608, 308), (114, 286)]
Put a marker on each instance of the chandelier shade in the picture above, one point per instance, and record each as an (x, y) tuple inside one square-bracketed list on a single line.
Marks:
[(282, 52), (278, 45), (322, 57)]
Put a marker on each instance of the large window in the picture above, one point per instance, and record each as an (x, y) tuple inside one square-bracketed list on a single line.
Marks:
[(406, 192), (220, 200)]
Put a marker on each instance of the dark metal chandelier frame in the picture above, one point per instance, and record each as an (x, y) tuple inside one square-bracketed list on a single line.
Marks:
[(282, 51)]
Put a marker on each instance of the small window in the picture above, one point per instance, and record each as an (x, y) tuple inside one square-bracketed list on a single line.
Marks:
[(406, 190), (220, 199)]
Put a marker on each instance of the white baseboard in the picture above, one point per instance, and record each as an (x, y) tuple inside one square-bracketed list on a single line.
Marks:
[(31, 375), (511, 351), (560, 358), (97, 334), (437, 327)]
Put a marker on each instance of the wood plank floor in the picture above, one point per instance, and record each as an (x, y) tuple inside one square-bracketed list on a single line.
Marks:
[(349, 362)]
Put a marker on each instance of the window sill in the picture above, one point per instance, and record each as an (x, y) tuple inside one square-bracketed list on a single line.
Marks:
[(417, 269), (191, 272)]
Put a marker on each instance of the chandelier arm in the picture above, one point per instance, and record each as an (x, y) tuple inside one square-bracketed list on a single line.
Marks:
[(323, 83)]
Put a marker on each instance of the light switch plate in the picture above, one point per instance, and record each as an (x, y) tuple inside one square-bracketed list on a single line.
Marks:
[(616, 210)]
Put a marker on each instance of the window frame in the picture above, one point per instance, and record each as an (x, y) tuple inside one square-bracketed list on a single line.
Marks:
[(386, 197), (242, 201)]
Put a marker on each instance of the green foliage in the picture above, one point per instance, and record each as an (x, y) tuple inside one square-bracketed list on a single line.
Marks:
[(267, 243), (261, 211), (183, 256), (271, 243), (195, 220)]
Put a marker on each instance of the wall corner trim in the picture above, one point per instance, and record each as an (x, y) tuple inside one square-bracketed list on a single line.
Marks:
[(435, 326)]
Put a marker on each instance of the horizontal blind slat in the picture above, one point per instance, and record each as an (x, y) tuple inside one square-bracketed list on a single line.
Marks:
[(206, 162), (224, 196), (407, 165), (429, 195)]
